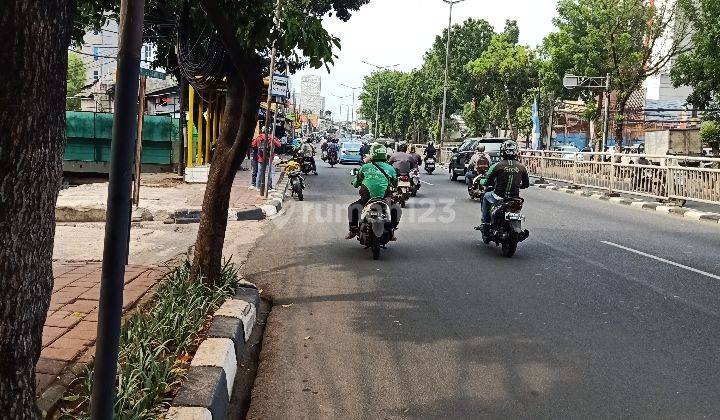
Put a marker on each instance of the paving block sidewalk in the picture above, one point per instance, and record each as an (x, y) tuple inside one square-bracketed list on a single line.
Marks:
[(71, 325), (241, 197)]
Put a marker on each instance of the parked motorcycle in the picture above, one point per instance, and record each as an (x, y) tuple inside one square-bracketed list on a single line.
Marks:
[(506, 225), (403, 191), (297, 182), (429, 165), (415, 182)]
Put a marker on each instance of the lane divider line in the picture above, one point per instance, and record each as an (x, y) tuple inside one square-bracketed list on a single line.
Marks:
[(673, 263), (425, 182)]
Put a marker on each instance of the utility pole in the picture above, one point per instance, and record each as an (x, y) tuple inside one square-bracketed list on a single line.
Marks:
[(138, 142), (606, 113), (447, 65), (353, 98), (119, 207), (266, 129)]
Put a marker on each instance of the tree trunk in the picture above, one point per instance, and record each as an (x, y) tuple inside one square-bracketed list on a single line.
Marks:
[(239, 120), (513, 135), (33, 86)]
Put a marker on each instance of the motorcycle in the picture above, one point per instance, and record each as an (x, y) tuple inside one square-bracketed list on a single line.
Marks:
[(305, 165), (415, 182), (403, 191), (332, 158), (429, 165), (506, 225), (375, 225), (475, 189), (297, 182)]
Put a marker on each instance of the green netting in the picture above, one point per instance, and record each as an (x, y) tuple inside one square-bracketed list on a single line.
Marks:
[(89, 135)]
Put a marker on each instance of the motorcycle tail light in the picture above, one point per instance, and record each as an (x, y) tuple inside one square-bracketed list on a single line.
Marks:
[(404, 178)]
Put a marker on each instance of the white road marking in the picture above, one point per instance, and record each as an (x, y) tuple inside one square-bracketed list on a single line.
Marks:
[(425, 182), (694, 270)]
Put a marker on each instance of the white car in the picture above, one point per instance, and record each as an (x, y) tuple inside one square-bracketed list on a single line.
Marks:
[(571, 152)]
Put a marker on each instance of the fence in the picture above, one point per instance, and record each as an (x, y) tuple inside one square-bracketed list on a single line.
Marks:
[(664, 177)]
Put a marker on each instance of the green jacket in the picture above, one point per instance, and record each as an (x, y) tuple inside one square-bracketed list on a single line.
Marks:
[(371, 177)]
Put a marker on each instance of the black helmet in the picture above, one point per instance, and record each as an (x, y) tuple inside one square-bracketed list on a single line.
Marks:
[(509, 150), (402, 147)]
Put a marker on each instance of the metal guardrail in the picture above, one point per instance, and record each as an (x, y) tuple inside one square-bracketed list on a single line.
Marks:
[(665, 177)]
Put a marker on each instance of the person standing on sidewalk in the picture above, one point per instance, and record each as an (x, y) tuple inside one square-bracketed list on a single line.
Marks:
[(257, 143), (253, 156)]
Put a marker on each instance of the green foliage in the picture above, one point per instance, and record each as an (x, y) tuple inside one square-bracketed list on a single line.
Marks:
[(710, 134), (628, 39), (700, 68), (76, 74), (153, 341), (505, 71)]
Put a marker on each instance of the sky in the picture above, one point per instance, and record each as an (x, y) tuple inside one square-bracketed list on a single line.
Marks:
[(386, 32)]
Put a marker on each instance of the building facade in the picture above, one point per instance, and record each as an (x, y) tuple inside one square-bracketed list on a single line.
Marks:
[(311, 100)]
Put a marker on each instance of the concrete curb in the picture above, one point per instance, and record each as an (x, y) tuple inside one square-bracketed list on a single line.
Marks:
[(205, 392), (713, 218)]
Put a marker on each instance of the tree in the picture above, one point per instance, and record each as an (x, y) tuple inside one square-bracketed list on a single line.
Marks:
[(75, 80), (629, 39), (505, 71), (710, 135), (32, 118), (246, 32), (700, 67)]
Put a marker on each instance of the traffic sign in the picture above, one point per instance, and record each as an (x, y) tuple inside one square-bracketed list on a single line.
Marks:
[(153, 74), (280, 86)]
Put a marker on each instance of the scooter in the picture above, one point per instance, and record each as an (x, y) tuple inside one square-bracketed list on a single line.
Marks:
[(430, 165), (476, 190), (415, 182), (403, 191)]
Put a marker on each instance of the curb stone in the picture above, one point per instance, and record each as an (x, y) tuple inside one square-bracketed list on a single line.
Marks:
[(205, 392), (687, 213)]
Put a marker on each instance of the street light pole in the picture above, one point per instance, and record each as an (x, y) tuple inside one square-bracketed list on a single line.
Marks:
[(353, 98), (447, 65)]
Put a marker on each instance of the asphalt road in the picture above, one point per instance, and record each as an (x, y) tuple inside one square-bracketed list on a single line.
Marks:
[(604, 312)]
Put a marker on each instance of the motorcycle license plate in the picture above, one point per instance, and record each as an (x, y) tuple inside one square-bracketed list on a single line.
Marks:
[(514, 216), (404, 184)]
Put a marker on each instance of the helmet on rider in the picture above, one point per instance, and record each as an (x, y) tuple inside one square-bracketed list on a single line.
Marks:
[(412, 148), (509, 150), (402, 147), (480, 148), (378, 152)]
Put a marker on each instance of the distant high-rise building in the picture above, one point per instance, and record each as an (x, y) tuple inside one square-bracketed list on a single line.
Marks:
[(310, 99)]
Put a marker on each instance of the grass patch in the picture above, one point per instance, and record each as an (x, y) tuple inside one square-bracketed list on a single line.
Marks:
[(155, 345)]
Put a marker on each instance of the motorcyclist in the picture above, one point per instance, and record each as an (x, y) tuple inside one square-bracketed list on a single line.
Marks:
[(402, 161), (412, 152), (364, 149), (507, 178), (332, 146), (307, 150), (478, 165), (430, 150), (376, 178)]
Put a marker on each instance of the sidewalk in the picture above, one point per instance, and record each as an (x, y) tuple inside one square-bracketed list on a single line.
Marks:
[(71, 324), (162, 196)]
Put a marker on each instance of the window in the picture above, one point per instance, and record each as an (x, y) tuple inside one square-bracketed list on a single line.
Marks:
[(96, 75), (96, 52)]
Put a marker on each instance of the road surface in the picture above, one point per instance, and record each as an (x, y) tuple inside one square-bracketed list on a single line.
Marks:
[(604, 312)]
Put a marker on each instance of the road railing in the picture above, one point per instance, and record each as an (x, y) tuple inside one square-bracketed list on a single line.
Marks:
[(665, 177)]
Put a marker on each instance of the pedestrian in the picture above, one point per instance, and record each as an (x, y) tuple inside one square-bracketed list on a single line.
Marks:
[(253, 155), (258, 143)]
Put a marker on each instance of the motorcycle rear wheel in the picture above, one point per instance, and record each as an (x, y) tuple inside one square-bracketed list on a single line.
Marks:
[(510, 245), (300, 195), (376, 249)]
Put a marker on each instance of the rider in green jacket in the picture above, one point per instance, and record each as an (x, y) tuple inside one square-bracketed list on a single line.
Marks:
[(374, 178)]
